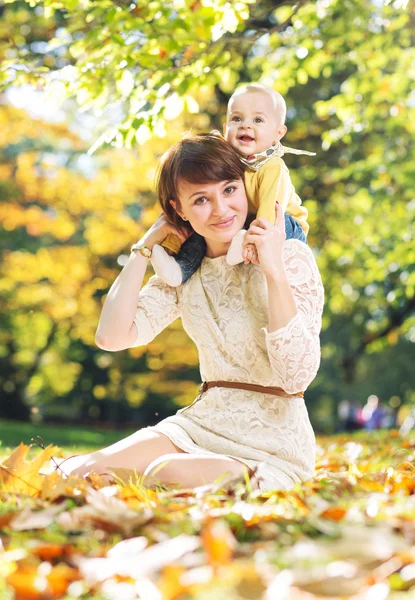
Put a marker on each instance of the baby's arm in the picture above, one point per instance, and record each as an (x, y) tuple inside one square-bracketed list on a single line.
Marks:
[(274, 185)]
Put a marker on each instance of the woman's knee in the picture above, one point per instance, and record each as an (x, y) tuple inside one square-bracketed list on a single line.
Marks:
[(143, 445), (154, 444), (163, 468), (134, 452)]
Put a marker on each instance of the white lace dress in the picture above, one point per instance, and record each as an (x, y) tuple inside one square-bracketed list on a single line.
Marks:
[(224, 309)]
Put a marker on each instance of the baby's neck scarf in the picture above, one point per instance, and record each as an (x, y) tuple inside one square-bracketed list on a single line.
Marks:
[(256, 161)]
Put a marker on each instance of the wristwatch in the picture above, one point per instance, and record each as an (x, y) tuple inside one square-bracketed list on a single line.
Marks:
[(141, 248)]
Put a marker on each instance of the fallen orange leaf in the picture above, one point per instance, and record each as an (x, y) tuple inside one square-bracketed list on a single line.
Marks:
[(47, 551), (218, 542), (23, 583), (6, 518), (32, 582), (59, 579), (169, 583), (334, 513)]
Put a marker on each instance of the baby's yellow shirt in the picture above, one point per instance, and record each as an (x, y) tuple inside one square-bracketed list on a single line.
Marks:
[(270, 183)]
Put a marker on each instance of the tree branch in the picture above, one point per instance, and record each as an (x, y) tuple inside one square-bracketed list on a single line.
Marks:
[(396, 319)]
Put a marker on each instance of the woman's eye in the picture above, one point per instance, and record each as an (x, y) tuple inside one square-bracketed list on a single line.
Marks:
[(228, 190), (200, 200)]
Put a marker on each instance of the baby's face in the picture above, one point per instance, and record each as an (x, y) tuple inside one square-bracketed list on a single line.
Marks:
[(253, 123)]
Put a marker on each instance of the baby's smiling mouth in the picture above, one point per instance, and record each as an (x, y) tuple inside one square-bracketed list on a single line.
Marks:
[(245, 138)]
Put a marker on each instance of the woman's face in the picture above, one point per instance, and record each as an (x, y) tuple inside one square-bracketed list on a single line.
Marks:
[(217, 211)]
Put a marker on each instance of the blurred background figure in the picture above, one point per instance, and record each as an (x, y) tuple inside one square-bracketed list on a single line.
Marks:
[(406, 419), (343, 411), (389, 418), (373, 414), (349, 415)]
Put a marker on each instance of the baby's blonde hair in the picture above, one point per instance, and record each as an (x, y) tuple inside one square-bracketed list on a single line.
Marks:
[(278, 100)]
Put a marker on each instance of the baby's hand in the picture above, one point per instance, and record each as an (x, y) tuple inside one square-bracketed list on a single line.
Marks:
[(250, 255)]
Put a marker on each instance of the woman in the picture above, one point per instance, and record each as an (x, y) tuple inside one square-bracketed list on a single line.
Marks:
[(256, 326)]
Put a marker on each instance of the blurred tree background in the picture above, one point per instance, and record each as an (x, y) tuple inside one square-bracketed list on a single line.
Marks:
[(76, 186)]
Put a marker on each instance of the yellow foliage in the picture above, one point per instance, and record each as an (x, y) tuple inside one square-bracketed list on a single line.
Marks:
[(61, 376), (21, 476), (76, 223)]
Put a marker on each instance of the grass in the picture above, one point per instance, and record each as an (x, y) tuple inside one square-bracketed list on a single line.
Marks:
[(68, 437)]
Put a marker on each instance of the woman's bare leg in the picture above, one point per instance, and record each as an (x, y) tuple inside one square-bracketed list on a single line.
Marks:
[(147, 451), (192, 470), (135, 452)]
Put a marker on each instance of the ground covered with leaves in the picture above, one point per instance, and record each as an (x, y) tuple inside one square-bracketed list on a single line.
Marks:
[(348, 533)]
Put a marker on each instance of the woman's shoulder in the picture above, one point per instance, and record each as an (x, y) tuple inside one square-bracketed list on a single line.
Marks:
[(157, 288), (293, 246), (300, 261)]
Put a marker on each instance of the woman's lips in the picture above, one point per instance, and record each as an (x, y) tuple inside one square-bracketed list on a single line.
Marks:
[(225, 224)]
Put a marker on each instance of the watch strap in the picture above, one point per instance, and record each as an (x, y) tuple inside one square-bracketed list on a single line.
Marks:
[(142, 248)]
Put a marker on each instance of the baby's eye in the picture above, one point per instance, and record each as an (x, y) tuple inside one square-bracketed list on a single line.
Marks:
[(200, 200), (236, 119), (259, 120), (228, 190)]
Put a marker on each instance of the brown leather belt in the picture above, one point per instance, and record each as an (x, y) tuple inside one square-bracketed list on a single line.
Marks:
[(275, 391)]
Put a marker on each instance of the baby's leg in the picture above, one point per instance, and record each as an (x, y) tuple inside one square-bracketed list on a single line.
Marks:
[(175, 270), (293, 229), (135, 452), (191, 255)]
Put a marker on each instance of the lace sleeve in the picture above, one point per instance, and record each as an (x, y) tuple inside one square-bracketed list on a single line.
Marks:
[(294, 350), (157, 307)]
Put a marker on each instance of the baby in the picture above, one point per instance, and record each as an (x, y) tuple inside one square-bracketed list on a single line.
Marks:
[(254, 127)]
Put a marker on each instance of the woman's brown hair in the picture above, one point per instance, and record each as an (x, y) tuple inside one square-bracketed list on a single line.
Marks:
[(203, 158)]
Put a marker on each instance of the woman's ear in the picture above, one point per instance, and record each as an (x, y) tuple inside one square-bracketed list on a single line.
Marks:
[(174, 205)]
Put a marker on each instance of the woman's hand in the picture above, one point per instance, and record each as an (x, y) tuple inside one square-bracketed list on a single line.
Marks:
[(160, 229), (84, 465), (269, 243)]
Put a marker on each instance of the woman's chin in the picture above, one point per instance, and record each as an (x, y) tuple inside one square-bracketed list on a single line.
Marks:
[(223, 234), (226, 237)]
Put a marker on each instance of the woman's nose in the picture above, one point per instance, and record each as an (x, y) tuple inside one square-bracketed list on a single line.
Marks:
[(219, 206)]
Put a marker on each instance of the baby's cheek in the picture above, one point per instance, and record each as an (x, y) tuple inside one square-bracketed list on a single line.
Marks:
[(232, 140)]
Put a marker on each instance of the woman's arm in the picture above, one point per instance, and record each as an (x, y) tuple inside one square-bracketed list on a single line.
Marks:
[(294, 348), (117, 327), (295, 303), (269, 243), (281, 303)]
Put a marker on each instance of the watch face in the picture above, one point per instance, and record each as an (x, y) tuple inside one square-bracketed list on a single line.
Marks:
[(146, 252)]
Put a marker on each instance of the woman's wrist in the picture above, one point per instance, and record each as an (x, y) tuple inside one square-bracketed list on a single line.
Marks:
[(277, 274), (148, 242)]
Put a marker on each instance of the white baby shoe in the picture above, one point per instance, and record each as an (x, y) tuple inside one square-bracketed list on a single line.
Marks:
[(234, 255), (166, 266)]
